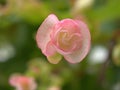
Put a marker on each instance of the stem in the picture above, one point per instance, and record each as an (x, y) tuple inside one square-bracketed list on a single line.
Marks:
[(112, 43)]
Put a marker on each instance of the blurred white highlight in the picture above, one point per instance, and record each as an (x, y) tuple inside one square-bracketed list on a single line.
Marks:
[(98, 55), (116, 86), (82, 4), (7, 51)]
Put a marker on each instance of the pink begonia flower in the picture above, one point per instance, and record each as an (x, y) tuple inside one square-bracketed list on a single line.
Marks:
[(22, 82), (68, 38)]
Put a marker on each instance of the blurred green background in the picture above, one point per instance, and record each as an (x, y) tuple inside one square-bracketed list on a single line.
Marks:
[(19, 21)]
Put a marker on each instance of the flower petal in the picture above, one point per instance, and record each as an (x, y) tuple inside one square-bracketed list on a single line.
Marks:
[(14, 79), (43, 34), (80, 54), (49, 50)]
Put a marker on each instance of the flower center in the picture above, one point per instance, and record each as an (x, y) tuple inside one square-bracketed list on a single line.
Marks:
[(68, 42)]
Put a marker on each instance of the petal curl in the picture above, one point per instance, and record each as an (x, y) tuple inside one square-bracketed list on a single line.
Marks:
[(43, 34), (80, 54)]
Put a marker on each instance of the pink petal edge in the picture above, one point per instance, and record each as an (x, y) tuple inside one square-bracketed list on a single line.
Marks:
[(80, 54), (43, 34)]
